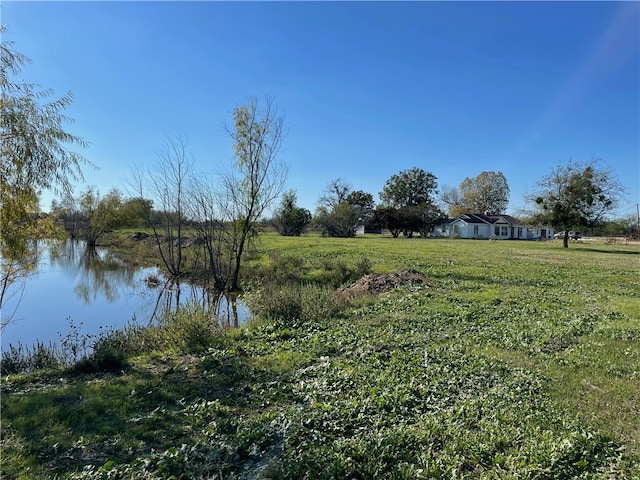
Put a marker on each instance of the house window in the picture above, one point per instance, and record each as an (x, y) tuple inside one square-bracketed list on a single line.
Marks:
[(475, 230), (519, 232), (501, 231)]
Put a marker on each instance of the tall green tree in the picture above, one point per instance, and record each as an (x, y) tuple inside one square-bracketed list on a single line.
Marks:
[(35, 150), (576, 195), (412, 194), (36, 156), (409, 188)]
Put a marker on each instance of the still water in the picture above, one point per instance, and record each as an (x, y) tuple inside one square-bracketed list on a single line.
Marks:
[(92, 289)]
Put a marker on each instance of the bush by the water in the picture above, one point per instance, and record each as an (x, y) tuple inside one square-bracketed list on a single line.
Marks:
[(189, 329), (24, 359), (293, 302)]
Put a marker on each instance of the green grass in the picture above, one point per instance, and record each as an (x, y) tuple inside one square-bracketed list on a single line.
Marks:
[(515, 360)]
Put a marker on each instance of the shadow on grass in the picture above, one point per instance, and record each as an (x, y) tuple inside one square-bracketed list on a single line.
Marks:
[(619, 252), (93, 419)]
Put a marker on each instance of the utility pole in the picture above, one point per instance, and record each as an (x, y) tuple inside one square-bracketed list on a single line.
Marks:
[(638, 220)]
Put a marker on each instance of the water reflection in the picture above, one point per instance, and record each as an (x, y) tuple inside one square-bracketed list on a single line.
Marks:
[(95, 289), (96, 271), (224, 309)]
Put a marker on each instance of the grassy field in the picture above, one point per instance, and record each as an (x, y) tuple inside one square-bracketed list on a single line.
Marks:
[(515, 360)]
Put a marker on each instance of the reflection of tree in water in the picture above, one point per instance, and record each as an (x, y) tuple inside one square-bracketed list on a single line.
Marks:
[(96, 270), (223, 309), (14, 273)]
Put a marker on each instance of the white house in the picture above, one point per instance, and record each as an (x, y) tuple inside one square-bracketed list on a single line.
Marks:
[(475, 225)]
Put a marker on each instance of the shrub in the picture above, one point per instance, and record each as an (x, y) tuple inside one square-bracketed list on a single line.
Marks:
[(363, 267), (279, 269), (189, 329), (319, 302), (336, 272), (103, 360), (291, 302), (21, 359)]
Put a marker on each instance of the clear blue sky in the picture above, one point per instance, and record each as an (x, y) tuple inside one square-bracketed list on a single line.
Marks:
[(367, 88)]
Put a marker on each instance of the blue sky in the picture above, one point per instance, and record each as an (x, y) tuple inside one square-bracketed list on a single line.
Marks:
[(367, 88)]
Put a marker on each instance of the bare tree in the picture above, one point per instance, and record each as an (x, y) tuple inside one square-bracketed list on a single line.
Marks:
[(257, 134), (336, 193), (208, 209), (452, 198), (168, 181)]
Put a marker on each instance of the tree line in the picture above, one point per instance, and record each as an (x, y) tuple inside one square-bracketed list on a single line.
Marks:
[(409, 204)]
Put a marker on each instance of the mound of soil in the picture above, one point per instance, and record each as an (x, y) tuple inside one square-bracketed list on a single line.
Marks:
[(375, 284)]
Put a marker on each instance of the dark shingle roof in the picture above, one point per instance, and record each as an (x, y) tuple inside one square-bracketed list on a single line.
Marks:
[(508, 218), (490, 219)]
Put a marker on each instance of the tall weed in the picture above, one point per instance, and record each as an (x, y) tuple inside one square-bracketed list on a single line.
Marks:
[(294, 302), (189, 329), (21, 359)]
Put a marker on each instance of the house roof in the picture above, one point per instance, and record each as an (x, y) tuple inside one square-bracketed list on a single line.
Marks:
[(475, 218), (508, 218)]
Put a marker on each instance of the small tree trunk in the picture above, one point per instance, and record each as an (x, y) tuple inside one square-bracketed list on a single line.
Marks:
[(565, 240)]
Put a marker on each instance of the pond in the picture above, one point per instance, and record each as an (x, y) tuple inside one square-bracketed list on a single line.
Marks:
[(92, 289)]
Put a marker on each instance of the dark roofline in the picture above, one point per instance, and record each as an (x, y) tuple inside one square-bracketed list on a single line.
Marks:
[(488, 219)]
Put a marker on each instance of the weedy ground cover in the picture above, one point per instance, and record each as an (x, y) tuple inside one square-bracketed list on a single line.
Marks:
[(514, 360)]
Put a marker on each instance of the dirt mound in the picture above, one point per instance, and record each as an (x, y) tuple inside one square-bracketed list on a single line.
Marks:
[(378, 283)]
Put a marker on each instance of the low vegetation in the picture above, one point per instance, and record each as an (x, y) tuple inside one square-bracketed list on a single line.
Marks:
[(506, 360)]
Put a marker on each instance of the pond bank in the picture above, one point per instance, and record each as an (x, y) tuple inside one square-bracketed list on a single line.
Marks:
[(78, 290)]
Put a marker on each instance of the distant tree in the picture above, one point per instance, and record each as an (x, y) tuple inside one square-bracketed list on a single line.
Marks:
[(409, 188), (486, 193), (336, 193), (452, 198), (393, 219), (575, 195), (411, 193), (363, 204), (91, 215), (291, 220), (430, 217), (136, 210), (340, 221), (68, 211), (342, 211)]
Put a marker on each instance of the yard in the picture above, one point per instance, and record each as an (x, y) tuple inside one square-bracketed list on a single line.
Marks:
[(511, 359)]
